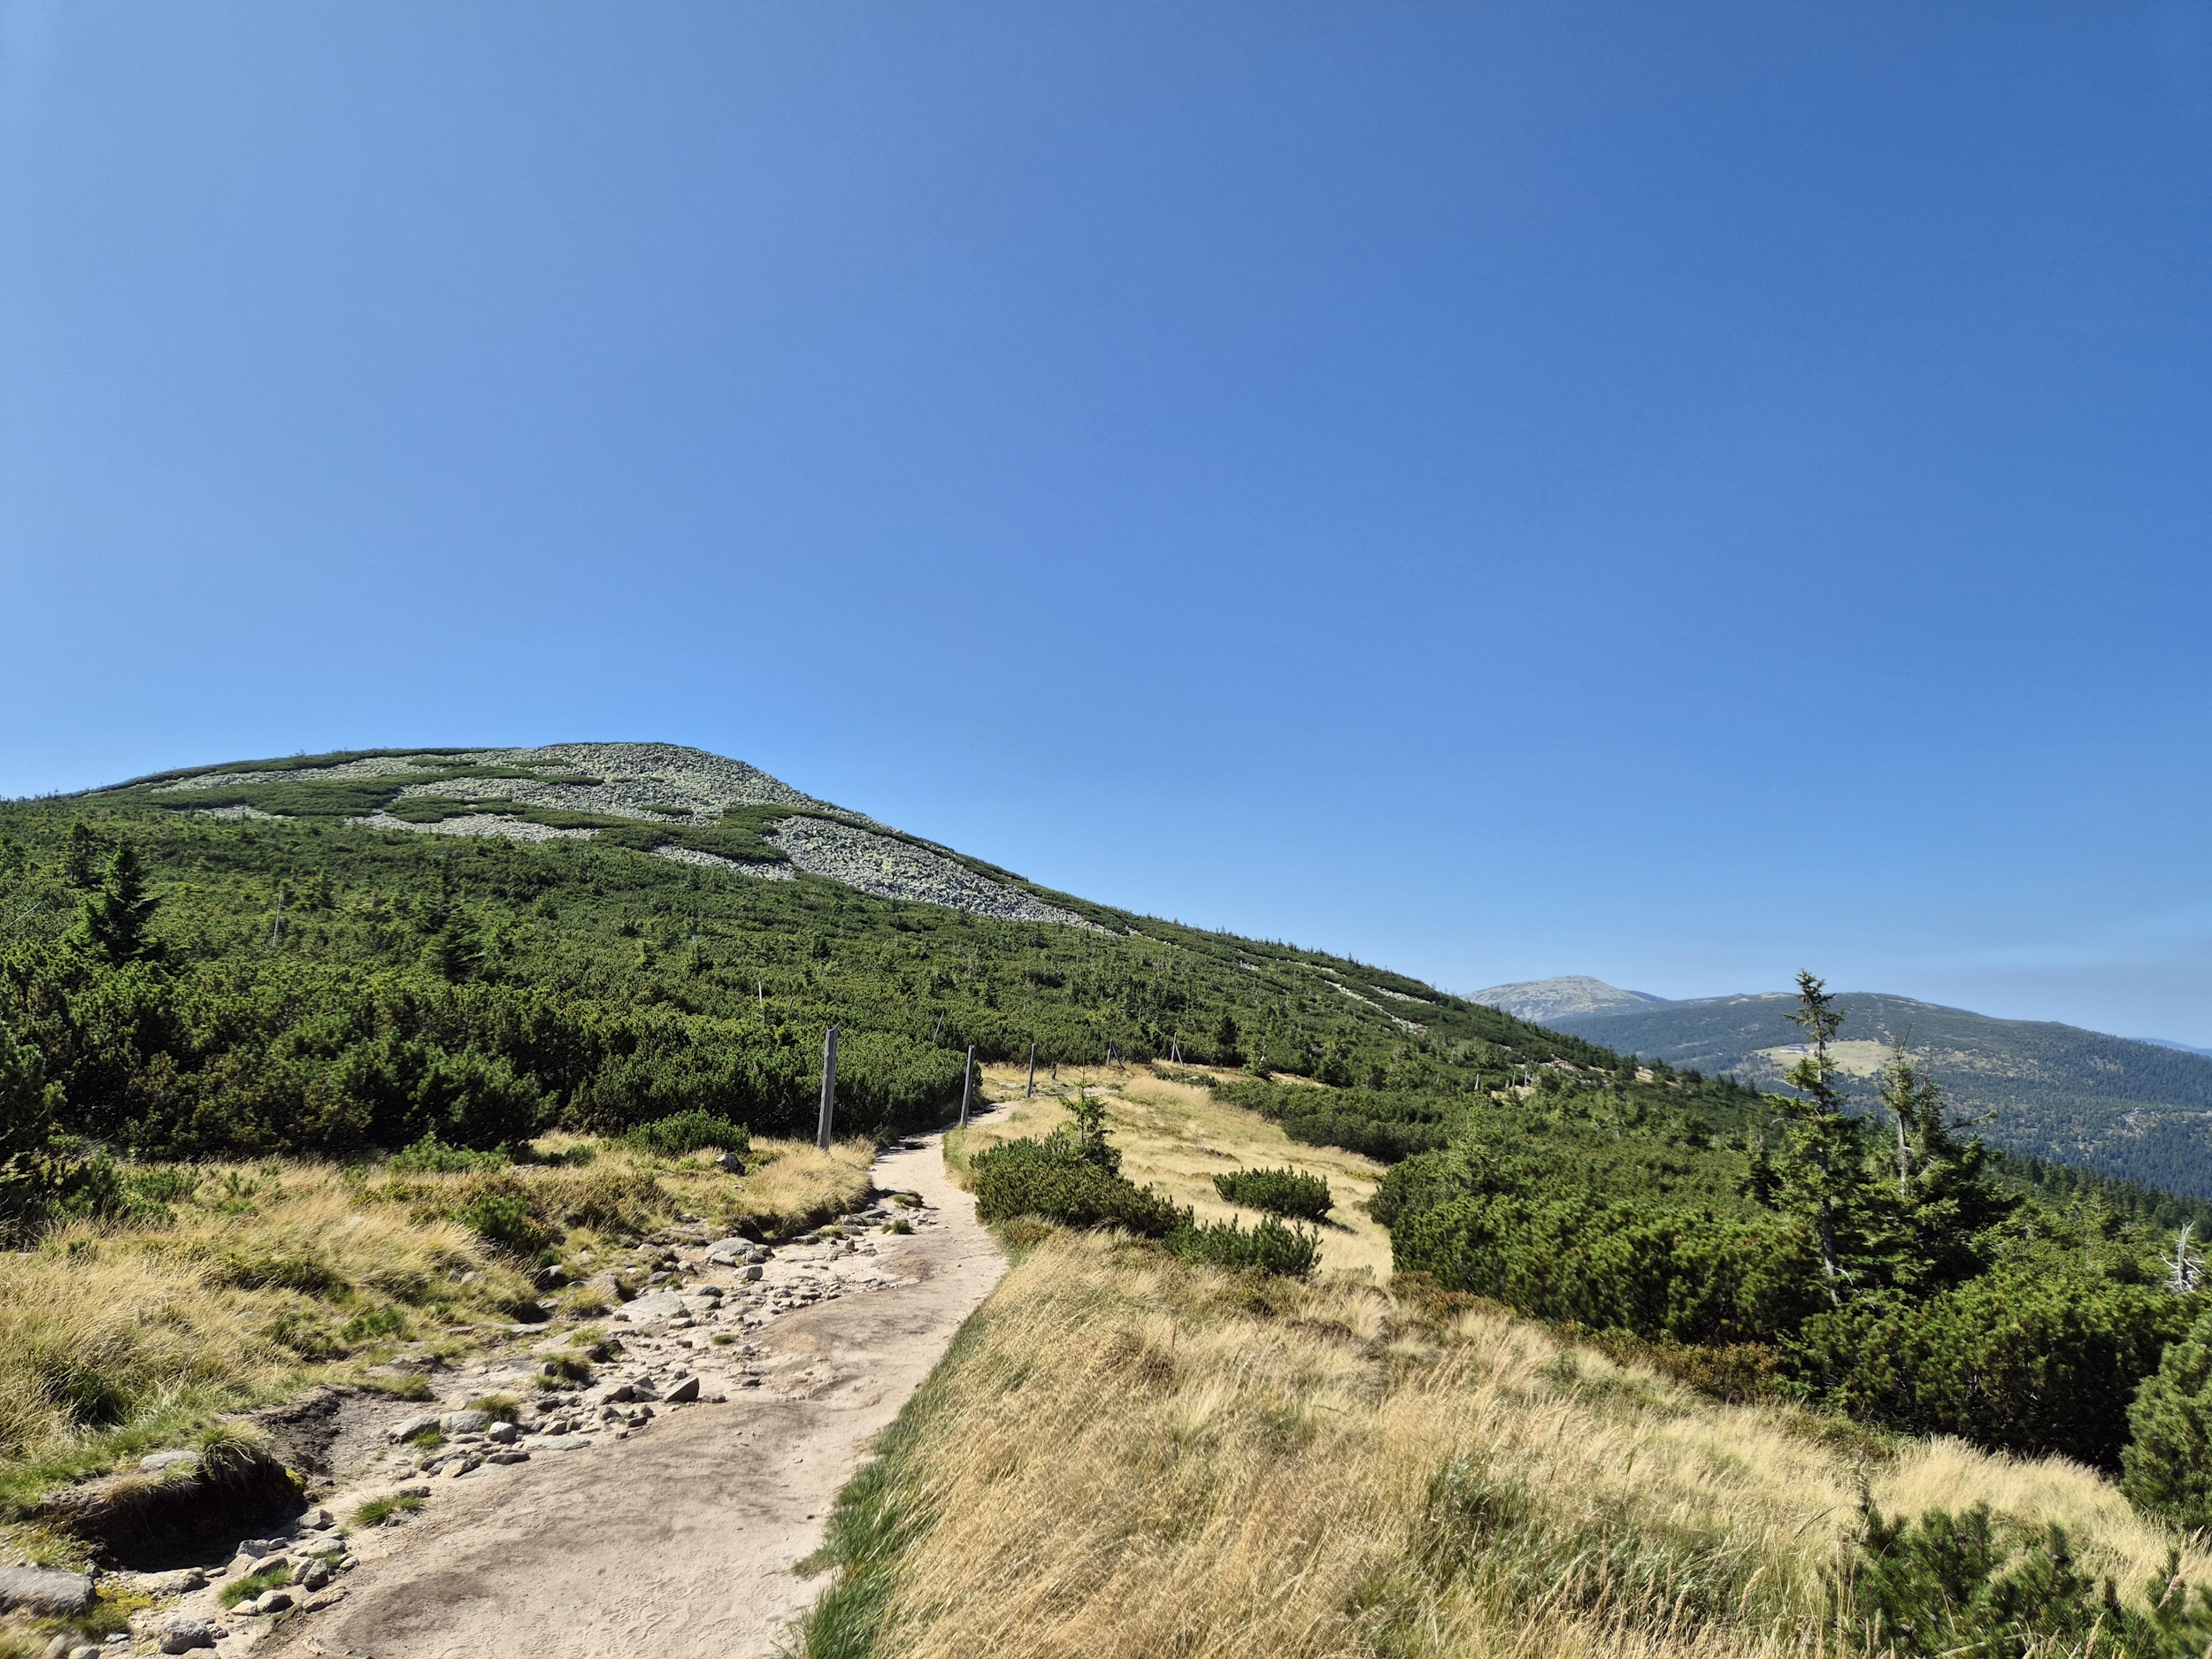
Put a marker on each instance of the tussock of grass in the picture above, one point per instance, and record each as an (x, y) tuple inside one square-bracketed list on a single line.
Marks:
[(245, 1589), (376, 1511), (1124, 1456)]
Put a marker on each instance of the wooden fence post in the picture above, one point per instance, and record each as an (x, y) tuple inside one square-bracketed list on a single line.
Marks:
[(1031, 1095), (967, 1078), (829, 1088)]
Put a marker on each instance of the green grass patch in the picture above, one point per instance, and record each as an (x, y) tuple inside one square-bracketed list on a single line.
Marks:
[(377, 1511)]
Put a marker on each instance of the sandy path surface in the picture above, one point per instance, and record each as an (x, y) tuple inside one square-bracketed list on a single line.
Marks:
[(681, 1540)]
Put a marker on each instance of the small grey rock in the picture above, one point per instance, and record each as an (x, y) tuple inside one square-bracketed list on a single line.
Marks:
[(314, 1576), (154, 1462), (684, 1392), (38, 1590), (87, 1650), (58, 1649), (515, 1456), (317, 1521), (465, 1422), (181, 1582), (182, 1635), (412, 1427), (274, 1601)]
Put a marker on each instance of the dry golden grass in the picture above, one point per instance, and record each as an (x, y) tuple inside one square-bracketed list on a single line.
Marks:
[(1175, 1135), (115, 1337), (1127, 1456)]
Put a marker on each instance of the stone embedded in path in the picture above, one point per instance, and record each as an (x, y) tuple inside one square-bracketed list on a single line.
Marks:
[(412, 1427), (182, 1635), (155, 1463), (653, 1307), (464, 1422), (38, 1590)]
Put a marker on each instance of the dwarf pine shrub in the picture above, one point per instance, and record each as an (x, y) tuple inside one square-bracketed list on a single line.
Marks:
[(432, 1156), (1270, 1246), (1950, 1585), (672, 1137), (1284, 1192), (1051, 1178), (2167, 1465)]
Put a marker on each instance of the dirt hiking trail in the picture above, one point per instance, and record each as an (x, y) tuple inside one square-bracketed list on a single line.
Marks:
[(678, 1543)]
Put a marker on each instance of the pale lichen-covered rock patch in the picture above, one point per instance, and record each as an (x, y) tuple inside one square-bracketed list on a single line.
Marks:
[(715, 860), (891, 869)]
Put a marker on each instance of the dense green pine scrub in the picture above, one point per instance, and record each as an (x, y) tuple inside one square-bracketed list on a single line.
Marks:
[(182, 986)]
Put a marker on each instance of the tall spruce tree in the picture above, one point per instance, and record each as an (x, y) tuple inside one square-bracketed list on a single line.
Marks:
[(114, 920), (1944, 1197), (1821, 1173)]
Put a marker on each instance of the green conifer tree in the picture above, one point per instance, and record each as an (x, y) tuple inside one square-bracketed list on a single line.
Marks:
[(1945, 1196), (2167, 1465), (1821, 1173), (113, 921), (81, 858)]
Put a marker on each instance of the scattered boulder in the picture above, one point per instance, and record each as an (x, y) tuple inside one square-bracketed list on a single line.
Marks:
[(182, 1635), (316, 1574), (683, 1393), (465, 1422), (503, 1434), (654, 1306), (410, 1427), (42, 1591), (317, 1521)]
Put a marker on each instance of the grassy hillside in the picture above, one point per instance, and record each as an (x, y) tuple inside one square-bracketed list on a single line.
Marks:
[(2137, 1111), (1124, 1455)]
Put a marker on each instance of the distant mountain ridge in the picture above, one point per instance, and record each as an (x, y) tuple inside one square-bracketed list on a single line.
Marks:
[(1566, 997), (2119, 1105)]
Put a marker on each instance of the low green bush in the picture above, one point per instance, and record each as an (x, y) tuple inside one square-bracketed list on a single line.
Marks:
[(1052, 1179), (1950, 1585), (1382, 1125), (432, 1156), (1284, 1192), (504, 1218), (1666, 1275), (2167, 1466), (1270, 1246), (2024, 1359), (673, 1136)]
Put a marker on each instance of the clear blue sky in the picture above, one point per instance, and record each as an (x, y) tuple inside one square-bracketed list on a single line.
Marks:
[(1673, 493)]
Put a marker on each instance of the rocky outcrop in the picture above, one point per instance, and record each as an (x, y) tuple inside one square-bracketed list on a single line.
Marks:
[(892, 869)]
